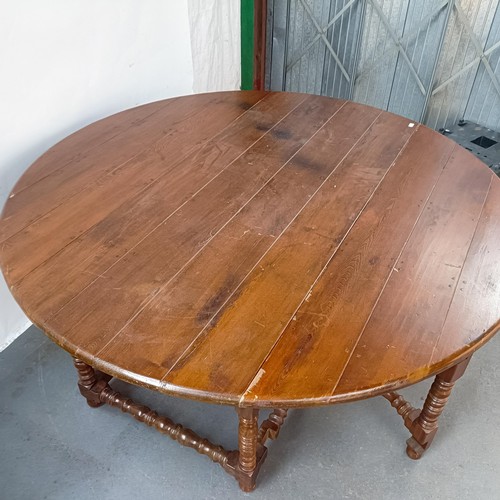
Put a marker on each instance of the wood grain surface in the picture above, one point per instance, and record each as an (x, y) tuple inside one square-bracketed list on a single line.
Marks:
[(258, 249)]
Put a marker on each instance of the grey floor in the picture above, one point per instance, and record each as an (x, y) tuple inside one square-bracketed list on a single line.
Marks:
[(54, 446)]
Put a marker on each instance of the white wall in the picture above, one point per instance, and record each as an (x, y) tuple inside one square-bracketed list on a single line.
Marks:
[(215, 42), (66, 63)]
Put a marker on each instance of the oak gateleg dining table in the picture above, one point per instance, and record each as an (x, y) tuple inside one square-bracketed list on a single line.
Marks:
[(264, 250)]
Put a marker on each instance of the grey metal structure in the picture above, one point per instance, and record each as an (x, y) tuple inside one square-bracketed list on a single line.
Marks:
[(481, 141), (434, 61)]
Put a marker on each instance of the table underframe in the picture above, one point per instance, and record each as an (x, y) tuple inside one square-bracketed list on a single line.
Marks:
[(244, 464)]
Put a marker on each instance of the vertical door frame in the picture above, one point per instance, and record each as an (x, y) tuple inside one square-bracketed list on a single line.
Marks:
[(253, 44)]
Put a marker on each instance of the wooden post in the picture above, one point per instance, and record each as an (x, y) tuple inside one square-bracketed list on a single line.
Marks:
[(87, 381), (248, 433), (425, 425)]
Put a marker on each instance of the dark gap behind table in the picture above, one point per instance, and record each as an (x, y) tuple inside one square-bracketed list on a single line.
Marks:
[(481, 141)]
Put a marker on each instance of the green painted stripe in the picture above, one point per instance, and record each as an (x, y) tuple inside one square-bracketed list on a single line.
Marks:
[(247, 44)]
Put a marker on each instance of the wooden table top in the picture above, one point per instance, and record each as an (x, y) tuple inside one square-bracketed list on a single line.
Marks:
[(250, 248)]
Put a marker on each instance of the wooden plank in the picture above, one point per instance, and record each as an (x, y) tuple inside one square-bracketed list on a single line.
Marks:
[(113, 298), (410, 313), (44, 238), (175, 317), (474, 313), (227, 354), (315, 346), (163, 132)]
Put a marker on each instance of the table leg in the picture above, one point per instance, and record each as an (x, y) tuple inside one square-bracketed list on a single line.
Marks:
[(252, 450), (270, 428), (90, 382), (248, 443), (95, 389), (243, 464), (423, 424)]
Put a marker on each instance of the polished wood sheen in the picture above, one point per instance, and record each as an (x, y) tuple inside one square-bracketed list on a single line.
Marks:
[(263, 250)]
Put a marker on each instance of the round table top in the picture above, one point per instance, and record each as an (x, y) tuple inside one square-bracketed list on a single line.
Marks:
[(251, 248)]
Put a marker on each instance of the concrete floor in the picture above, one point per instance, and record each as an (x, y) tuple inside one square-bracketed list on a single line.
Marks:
[(54, 446)]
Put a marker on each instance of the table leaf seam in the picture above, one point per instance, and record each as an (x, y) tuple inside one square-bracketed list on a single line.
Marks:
[(392, 270), (269, 353)]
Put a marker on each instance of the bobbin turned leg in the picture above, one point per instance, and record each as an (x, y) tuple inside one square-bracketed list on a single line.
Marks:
[(243, 464), (251, 453), (425, 425), (90, 383)]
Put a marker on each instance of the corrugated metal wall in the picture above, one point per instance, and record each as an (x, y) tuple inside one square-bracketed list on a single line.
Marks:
[(434, 61)]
